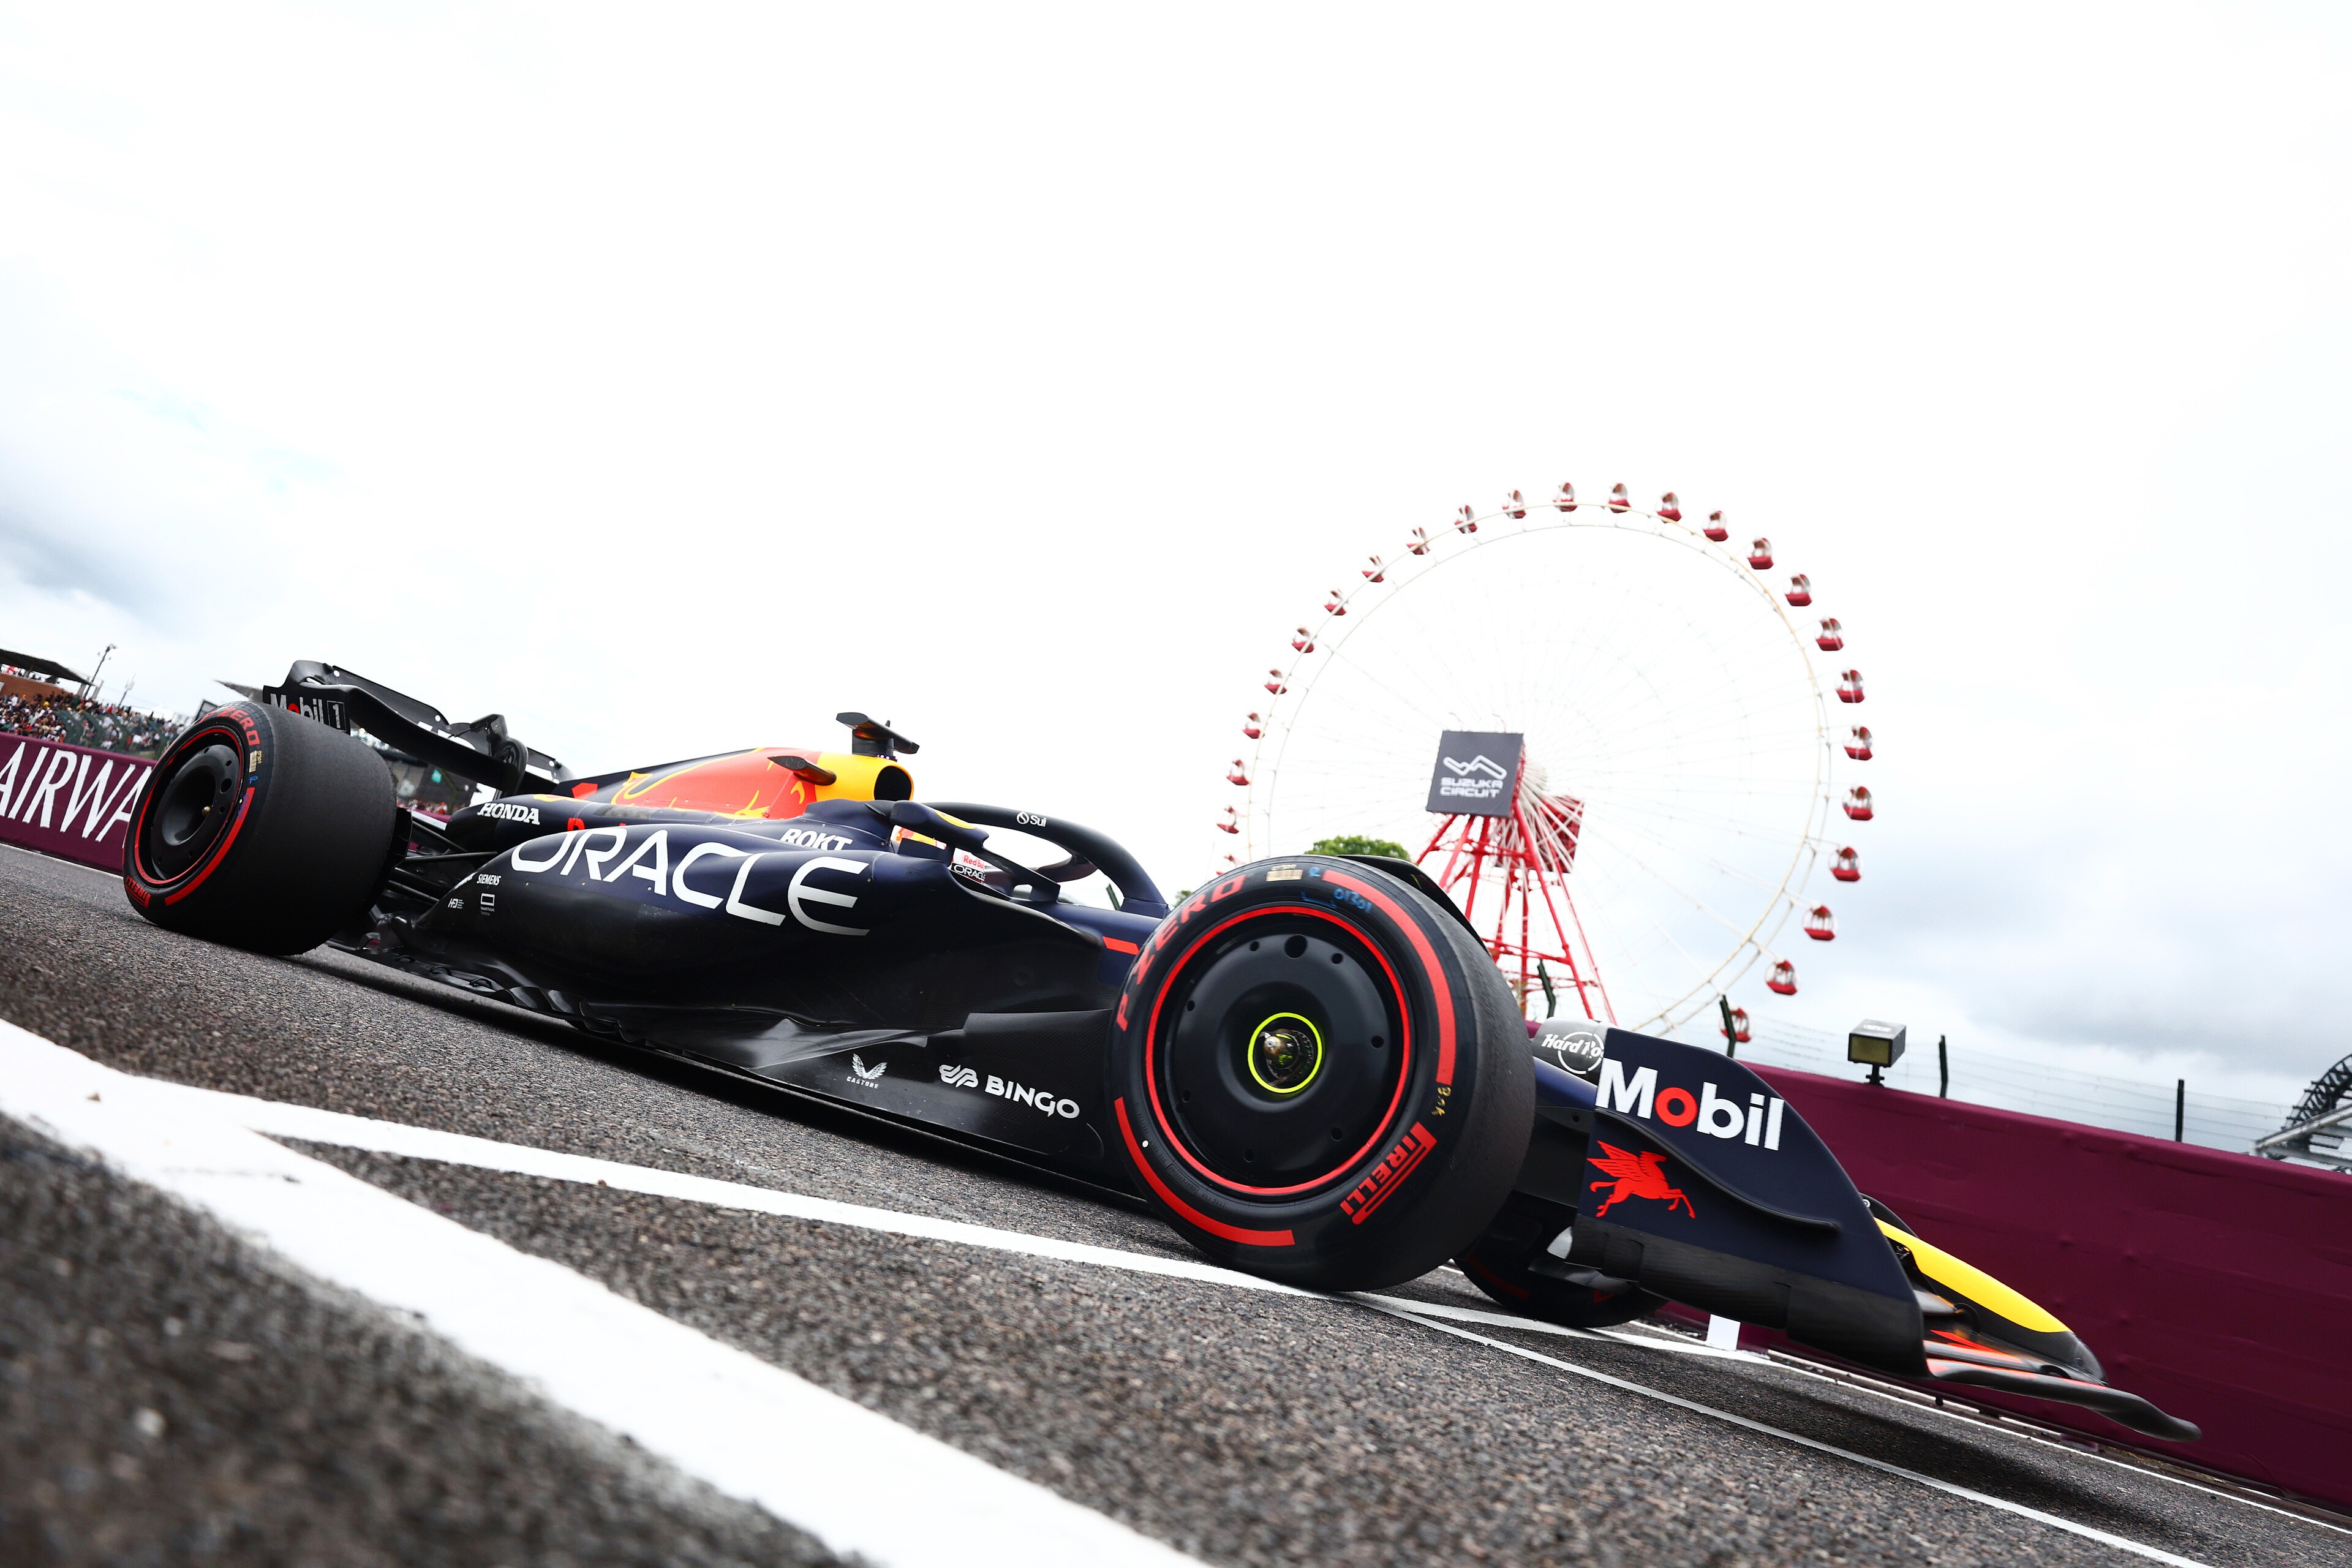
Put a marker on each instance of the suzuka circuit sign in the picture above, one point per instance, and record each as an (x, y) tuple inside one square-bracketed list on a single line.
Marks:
[(1476, 773), (68, 800)]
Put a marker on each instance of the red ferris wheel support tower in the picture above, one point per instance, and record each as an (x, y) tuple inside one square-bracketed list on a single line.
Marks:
[(1508, 858)]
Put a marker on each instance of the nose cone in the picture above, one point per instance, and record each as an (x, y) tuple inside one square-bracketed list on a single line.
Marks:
[(1988, 1310)]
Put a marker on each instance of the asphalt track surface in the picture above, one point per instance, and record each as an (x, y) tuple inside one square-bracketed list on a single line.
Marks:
[(169, 1392)]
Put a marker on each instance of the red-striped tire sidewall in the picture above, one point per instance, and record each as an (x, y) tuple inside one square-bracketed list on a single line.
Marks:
[(308, 846), (1435, 1170), (243, 730)]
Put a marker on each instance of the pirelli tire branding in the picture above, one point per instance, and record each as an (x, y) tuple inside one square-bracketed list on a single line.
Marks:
[(1415, 1169), (1385, 1178)]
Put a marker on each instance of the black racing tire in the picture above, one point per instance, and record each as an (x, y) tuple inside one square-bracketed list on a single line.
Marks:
[(1497, 1264), (1320, 1076), (260, 829)]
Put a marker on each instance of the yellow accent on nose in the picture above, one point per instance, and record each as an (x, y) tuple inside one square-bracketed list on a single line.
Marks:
[(1966, 1280)]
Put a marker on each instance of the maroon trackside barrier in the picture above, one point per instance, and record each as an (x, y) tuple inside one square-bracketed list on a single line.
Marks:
[(68, 800), (2217, 1285)]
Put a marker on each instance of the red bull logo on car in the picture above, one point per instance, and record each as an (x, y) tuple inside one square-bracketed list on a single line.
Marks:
[(1713, 1112)]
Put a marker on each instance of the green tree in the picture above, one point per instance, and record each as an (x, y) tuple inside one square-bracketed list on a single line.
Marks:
[(1356, 844)]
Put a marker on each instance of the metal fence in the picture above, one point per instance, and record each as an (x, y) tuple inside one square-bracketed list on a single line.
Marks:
[(2009, 1083)]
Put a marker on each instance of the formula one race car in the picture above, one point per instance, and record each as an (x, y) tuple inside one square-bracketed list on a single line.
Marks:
[(1310, 1066)]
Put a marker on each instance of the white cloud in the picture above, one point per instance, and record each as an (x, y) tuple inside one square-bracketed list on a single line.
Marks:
[(672, 382)]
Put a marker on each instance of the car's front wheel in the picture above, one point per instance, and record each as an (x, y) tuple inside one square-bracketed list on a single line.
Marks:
[(1319, 1074)]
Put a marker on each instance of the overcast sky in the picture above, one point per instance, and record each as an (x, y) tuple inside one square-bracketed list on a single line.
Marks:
[(670, 379)]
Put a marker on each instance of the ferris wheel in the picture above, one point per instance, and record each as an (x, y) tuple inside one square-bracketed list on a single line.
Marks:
[(1612, 735)]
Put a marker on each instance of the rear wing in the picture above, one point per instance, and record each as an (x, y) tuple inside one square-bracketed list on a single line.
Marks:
[(484, 750)]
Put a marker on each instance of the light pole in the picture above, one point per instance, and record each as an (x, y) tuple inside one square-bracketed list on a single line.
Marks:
[(91, 684)]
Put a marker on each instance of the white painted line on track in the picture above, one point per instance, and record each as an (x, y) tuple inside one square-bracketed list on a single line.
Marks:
[(280, 1119), (2120, 1543), (855, 1480)]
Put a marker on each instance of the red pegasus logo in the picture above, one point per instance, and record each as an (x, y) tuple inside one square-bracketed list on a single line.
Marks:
[(1640, 1176)]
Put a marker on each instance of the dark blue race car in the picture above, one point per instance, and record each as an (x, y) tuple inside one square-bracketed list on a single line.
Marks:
[(1311, 1067)]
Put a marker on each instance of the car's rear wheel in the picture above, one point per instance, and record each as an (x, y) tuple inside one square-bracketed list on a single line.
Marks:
[(1320, 1076), (260, 828)]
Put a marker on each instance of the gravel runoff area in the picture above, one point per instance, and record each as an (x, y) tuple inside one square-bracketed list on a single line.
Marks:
[(1240, 1426)]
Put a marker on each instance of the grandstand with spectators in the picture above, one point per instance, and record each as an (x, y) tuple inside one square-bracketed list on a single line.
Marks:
[(33, 701)]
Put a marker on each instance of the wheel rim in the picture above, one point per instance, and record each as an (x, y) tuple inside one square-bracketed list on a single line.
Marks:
[(1281, 1054), (1285, 1053), (193, 806)]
